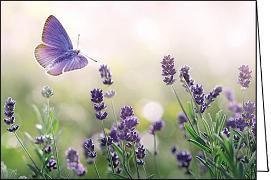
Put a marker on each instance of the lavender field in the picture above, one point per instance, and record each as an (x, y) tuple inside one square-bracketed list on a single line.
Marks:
[(171, 96)]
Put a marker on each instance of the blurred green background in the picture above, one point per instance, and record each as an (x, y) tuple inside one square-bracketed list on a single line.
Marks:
[(213, 38)]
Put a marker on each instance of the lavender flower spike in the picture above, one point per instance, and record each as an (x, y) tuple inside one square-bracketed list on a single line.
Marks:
[(98, 104), (168, 70), (244, 78), (9, 111), (181, 119), (157, 126), (90, 153), (73, 162), (106, 75), (184, 75)]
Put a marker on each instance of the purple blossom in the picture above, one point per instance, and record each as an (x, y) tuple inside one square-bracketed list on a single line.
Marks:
[(248, 111), (98, 104), (241, 123), (235, 107), (51, 164), (104, 141), (173, 150), (229, 94), (89, 151), (231, 122), (226, 132), (115, 160), (168, 70), (198, 95), (126, 111), (114, 134), (156, 126), (184, 75), (244, 78), (209, 98), (181, 119), (140, 154), (110, 93), (13, 128), (106, 75), (9, 111), (184, 158), (48, 149), (73, 162)]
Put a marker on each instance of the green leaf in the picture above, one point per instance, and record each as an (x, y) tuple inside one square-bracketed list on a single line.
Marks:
[(33, 169), (117, 149), (38, 114), (150, 176), (131, 155), (206, 127), (193, 134), (201, 146), (206, 164)]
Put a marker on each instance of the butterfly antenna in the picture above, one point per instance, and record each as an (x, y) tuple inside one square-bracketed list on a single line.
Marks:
[(78, 40), (90, 58)]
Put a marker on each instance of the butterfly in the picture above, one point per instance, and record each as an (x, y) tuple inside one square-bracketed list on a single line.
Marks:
[(56, 54)]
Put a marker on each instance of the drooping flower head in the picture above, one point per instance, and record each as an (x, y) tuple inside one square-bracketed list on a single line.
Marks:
[(156, 126), (185, 76), (168, 69), (244, 78), (90, 153), (47, 91), (98, 104), (105, 74)]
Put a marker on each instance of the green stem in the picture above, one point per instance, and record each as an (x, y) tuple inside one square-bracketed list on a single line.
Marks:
[(96, 169), (145, 171), (114, 112), (180, 103), (137, 171), (24, 148), (54, 139), (155, 154), (107, 148), (123, 163)]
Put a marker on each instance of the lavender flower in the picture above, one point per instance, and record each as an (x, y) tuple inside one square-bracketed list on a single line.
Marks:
[(212, 95), (51, 164), (235, 107), (229, 94), (47, 92), (184, 158), (248, 111), (241, 123), (40, 139), (244, 78), (226, 132), (140, 154), (13, 128), (184, 75), (98, 104), (181, 119), (105, 142), (110, 93), (48, 149), (156, 126), (73, 162), (114, 134), (198, 95), (90, 153), (106, 75), (126, 111), (9, 111), (168, 70), (173, 150), (115, 161)]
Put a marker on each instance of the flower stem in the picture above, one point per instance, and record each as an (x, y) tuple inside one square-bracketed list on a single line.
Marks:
[(54, 139), (137, 171), (155, 154), (24, 148), (145, 171), (97, 172), (114, 112), (107, 148), (123, 163), (180, 103)]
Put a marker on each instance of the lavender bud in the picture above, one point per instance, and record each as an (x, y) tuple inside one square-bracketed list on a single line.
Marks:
[(106, 75), (229, 94), (184, 158), (226, 132), (157, 126), (109, 94), (126, 111), (168, 70), (197, 91), (244, 78), (51, 164), (13, 128), (181, 119), (47, 91), (9, 111), (184, 75)]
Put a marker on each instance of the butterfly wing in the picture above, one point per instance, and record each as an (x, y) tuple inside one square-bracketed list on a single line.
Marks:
[(55, 35), (77, 62), (46, 55)]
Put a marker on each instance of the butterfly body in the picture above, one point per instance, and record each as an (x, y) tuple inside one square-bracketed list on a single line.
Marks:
[(56, 54)]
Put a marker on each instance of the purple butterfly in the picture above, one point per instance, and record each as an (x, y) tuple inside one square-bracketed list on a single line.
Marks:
[(56, 55)]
